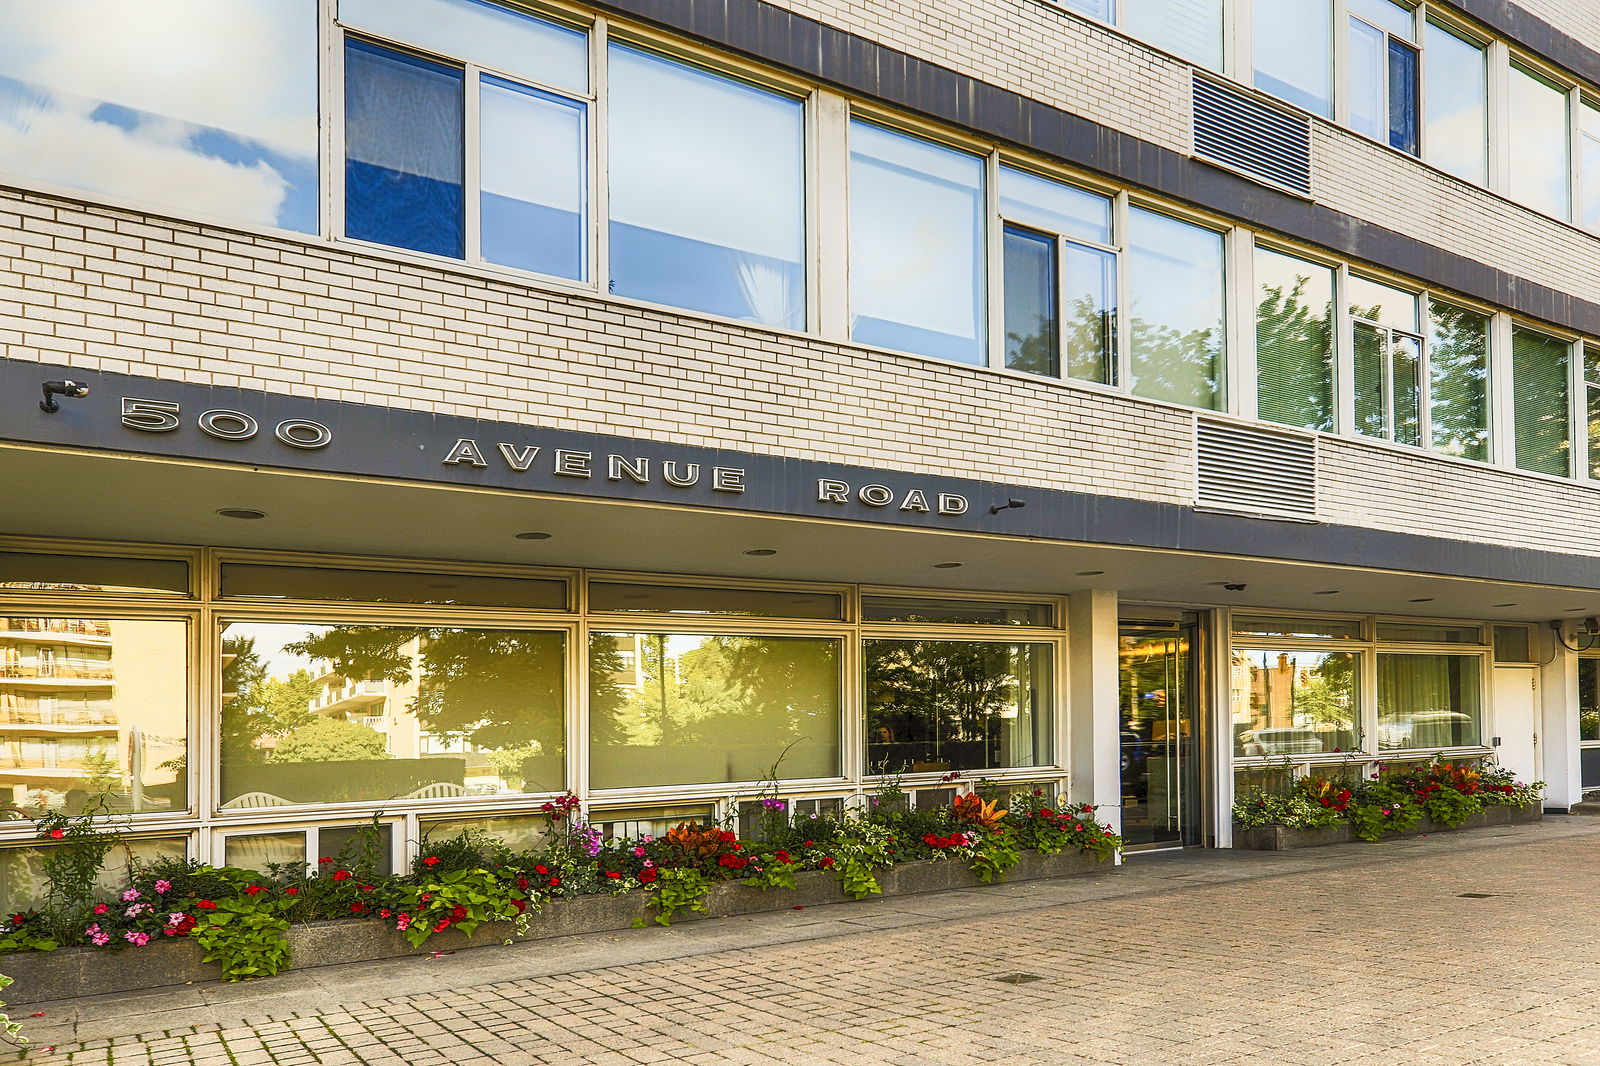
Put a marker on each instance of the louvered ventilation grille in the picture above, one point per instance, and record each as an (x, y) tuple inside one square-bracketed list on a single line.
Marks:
[(1244, 134), (1256, 471)]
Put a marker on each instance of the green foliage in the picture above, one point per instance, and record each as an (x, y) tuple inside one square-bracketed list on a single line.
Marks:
[(464, 900), (469, 849), (855, 876), (330, 740), (1257, 807), (1381, 809), (681, 888), (74, 852), (996, 853), (773, 874), (245, 935), (1451, 808), (12, 1030)]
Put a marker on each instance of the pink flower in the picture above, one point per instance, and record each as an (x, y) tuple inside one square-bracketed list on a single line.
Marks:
[(638, 852), (647, 838), (135, 910), (163, 887), (175, 918), (130, 895), (100, 940), (402, 921), (92, 928), (138, 940)]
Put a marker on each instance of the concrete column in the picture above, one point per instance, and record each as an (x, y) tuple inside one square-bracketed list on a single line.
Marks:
[(1558, 724), (1093, 728)]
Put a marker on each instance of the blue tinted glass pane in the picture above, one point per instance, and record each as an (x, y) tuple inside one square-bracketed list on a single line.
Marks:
[(1088, 321), (1053, 207), (707, 180), (531, 164), (1294, 52), (1540, 165), (916, 238), (1366, 78), (1385, 14), (1188, 28), (1104, 10), (488, 34), (402, 172), (1458, 107), (1030, 281), (1402, 97), (204, 110)]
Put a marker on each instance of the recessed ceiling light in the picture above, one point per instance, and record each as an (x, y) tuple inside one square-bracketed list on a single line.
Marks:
[(1329, 592), (1505, 605), (1090, 573), (1423, 599), (1575, 610), (945, 566), (762, 551), (241, 512), (533, 536)]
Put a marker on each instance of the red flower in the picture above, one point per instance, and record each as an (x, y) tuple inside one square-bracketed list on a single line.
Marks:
[(291, 891), (541, 869), (206, 905), (364, 888), (18, 919), (733, 862), (457, 913), (386, 913), (1046, 812), (826, 862), (647, 876), (520, 904), (431, 860), (444, 923), (553, 882), (341, 875), (613, 874), (782, 856), (357, 908), (324, 860), (253, 890), (56, 834), (522, 883)]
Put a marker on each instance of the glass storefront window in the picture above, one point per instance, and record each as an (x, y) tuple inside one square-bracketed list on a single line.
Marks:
[(954, 612), (317, 713), (517, 832), (93, 711), (31, 571), (1294, 702), (250, 581), (685, 708), (938, 705), (1428, 701), (257, 851), (694, 599), (23, 883), (616, 823), (1269, 626), (1421, 633)]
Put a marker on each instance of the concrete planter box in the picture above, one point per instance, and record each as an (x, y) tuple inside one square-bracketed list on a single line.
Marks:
[(1279, 838), (86, 971)]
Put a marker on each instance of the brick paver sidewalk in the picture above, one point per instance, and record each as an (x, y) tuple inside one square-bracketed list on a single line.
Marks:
[(1361, 957)]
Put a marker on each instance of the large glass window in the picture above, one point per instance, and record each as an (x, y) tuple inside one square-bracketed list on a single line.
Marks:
[(316, 713), (1175, 285), (252, 581), (403, 150), (91, 573), (682, 708), (1539, 370), (956, 705), (93, 713), (1456, 74), (1589, 164), (207, 109), (707, 191), (1383, 72), (1388, 361), (488, 34), (916, 245), (1428, 701), (1539, 143), (1458, 372), (1591, 399), (1060, 288), (1288, 702), (1188, 28), (1293, 42), (1294, 341), (533, 195), (696, 599)]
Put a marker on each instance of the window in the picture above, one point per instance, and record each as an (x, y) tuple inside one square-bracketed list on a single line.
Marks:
[(1458, 374), (707, 191), (1288, 702), (1539, 366), (1388, 362), (954, 612), (407, 134), (1428, 701), (1188, 28), (94, 710), (1294, 52), (707, 709), (1513, 644), (1589, 720), (1456, 74), (916, 245), (940, 705), (1266, 626), (1539, 143), (91, 573), (1294, 341), (1591, 390), (1175, 283), (266, 582), (1429, 633), (316, 713), (1589, 164), (1056, 257), (692, 599), (24, 884), (207, 110), (1384, 69)]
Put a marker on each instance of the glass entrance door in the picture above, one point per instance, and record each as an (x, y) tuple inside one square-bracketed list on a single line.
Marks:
[(1160, 743)]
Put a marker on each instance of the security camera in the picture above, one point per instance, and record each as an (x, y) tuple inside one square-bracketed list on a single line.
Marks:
[(75, 390)]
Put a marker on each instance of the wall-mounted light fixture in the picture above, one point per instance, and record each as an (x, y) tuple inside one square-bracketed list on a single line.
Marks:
[(75, 390)]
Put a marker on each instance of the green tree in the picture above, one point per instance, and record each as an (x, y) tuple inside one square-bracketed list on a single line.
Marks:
[(329, 740)]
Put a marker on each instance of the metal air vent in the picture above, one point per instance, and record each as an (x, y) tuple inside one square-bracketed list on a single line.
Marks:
[(1264, 472), (1236, 130)]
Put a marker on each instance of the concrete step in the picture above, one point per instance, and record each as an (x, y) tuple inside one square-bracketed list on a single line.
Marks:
[(1586, 807)]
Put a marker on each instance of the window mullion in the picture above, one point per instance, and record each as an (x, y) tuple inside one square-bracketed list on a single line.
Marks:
[(1123, 357), (471, 158), (599, 169), (1344, 357), (993, 257), (1389, 408)]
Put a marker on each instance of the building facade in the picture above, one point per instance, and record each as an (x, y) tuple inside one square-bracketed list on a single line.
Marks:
[(676, 402)]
